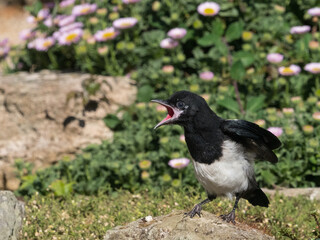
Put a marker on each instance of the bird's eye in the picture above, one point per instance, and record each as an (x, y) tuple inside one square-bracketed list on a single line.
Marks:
[(180, 105)]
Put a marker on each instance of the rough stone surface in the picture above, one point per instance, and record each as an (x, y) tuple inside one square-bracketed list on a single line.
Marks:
[(33, 108), (175, 226), (11, 216), (311, 193)]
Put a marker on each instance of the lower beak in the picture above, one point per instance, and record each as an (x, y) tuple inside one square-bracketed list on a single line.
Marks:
[(171, 112)]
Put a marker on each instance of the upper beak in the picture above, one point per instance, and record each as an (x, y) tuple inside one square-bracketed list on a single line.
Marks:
[(171, 112)]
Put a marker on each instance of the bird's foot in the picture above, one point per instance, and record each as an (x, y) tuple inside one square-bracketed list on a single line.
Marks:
[(196, 210), (230, 217)]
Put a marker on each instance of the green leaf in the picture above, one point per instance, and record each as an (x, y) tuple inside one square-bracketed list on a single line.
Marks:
[(255, 103), (237, 70), (230, 13), (154, 37), (207, 40), (217, 27), (246, 58), (60, 188), (112, 121), (229, 104), (145, 93), (234, 31), (268, 177)]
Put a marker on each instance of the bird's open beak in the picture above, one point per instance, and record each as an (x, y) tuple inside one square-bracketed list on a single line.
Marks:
[(173, 113)]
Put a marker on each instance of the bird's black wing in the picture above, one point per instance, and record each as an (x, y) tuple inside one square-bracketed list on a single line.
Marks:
[(257, 139)]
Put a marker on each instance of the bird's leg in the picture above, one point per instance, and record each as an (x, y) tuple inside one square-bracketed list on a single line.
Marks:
[(197, 208), (230, 217)]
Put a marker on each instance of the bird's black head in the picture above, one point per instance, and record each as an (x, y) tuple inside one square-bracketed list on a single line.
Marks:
[(182, 107)]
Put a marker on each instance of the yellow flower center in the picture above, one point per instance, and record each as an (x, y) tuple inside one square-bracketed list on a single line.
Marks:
[(125, 24), (178, 164), (108, 35), (316, 69), (209, 11), (85, 10), (287, 70), (71, 37), (47, 44)]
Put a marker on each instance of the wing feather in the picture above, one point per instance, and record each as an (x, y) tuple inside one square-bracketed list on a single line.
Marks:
[(251, 135)]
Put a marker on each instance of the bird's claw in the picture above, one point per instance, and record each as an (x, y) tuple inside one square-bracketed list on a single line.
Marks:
[(230, 217), (195, 211)]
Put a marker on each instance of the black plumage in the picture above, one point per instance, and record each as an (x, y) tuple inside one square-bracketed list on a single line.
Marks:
[(223, 151)]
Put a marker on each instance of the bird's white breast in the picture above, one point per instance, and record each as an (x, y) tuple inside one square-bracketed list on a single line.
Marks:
[(229, 174)]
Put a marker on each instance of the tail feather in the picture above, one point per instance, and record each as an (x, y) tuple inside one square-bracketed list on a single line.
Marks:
[(257, 197)]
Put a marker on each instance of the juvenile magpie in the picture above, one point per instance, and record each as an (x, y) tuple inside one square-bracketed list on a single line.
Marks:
[(223, 151)]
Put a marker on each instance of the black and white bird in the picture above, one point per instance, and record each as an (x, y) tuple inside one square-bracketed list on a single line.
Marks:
[(223, 151)]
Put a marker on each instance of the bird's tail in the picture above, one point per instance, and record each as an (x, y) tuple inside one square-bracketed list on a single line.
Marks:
[(257, 197)]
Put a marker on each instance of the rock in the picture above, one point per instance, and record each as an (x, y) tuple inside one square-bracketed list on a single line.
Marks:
[(175, 226), (311, 193), (43, 118), (11, 216)]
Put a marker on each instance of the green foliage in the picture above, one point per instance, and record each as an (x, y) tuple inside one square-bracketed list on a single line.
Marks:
[(89, 217)]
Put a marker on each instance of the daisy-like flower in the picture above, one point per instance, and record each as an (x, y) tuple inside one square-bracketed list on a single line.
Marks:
[(67, 20), (70, 37), (43, 44), (177, 33), (84, 9), (207, 75), (316, 116), (296, 99), (27, 34), (106, 34), (130, 1), (48, 22), (168, 69), (103, 50), (66, 3), (124, 23), (168, 43), (300, 29), (182, 138), (208, 9), (144, 164), (42, 14), (307, 129), (277, 131), (32, 44), (31, 19), (314, 11), (275, 57), (313, 68), (289, 71), (288, 111), (179, 163)]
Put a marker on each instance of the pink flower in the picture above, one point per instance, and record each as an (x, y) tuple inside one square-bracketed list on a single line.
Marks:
[(66, 3), (70, 37), (124, 23), (289, 71), (207, 76), (106, 34), (168, 43), (312, 67), (43, 44), (168, 69), (130, 1), (31, 19), (48, 22), (4, 48), (70, 27), (314, 11), (275, 57), (67, 20), (177, 33), (208, 9), (84, 9), (277, 131), (300, 29), (42, 14), (179, 163), (27, 34), (182, 138)]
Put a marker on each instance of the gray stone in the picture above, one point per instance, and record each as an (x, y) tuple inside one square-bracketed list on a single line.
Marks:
[(34, 106), (175, 226), (311, 193), (11, 216)]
